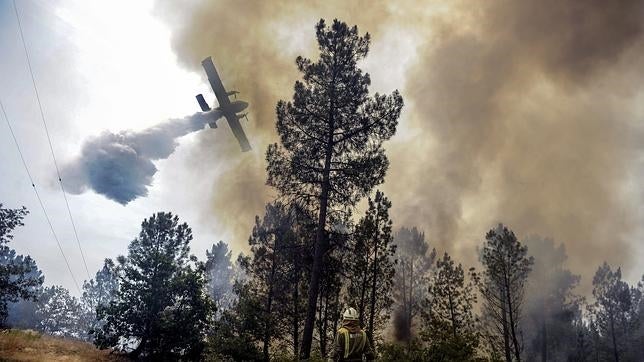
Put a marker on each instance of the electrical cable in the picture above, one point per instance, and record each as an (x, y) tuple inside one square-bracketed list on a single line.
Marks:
[(42, 206), (51, 148)]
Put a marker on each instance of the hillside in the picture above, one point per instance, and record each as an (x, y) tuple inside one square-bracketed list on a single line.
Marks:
[(20, 345)]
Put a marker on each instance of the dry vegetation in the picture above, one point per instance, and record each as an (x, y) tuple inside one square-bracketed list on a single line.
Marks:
[(18, 345)]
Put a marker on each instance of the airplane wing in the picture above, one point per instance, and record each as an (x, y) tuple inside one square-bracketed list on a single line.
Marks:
[(238, 131), (228, 109), (215, 82)]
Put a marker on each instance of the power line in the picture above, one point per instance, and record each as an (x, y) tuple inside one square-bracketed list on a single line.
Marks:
[(51, 148), (42, 206)]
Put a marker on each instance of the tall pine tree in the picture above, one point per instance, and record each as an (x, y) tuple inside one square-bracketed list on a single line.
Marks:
[(220, 276), (161, 302), (506, 267), (451, 328), (372, 266), (331, 137), (271, 235), (275, 275), (98, 293), (60, 313), (415, 261), (552, 310), (615, 315)]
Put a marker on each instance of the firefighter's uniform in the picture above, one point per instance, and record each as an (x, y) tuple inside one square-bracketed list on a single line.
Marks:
[(351, 342)]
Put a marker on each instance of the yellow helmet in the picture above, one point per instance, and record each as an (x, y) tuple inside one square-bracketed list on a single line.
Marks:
[(350, 314)]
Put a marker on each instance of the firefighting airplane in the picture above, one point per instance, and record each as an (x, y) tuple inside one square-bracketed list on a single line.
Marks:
[(228, 109)]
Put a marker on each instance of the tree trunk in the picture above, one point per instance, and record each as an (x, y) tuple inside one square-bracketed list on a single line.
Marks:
[(404, 290), (513, 331), (296, 311), (363, 291), (321, 241), (325, 325), (452, 313), (335, 320), (506, 333), (320, 250), (372, 311), (269, 305), (614, 340), (319, 307), (409, 300)]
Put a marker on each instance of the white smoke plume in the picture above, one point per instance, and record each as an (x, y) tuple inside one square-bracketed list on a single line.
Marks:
[(120, 165)]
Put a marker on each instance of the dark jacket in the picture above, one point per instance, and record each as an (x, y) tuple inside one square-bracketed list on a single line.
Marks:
[(358, 345)]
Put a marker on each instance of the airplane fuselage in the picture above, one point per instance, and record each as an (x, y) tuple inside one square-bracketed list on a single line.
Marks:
[(233, 107)]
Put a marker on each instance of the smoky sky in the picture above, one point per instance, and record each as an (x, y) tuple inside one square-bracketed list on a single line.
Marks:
[(528, 110), (120, 165), (521, 112)]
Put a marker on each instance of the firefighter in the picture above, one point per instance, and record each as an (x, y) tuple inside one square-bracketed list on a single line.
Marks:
[(351, 342)]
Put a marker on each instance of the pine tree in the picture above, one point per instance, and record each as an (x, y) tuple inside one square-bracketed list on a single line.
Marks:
[(239, 330), (275, 271), (410, 289), (98, 293), (264, 268), (160, 303), (552, 310), (60, 313), (614, 313), (19, 275), (581, 349), (331, 137), (372, 266), (220, 276), (269, 304), (451, 328), (296, 252), (506, 268), (638, 318)]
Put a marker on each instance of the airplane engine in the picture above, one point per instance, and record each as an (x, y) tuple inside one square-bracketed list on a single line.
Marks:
[(202, 103)]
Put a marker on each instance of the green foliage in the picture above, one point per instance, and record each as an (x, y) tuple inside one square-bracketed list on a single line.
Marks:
[(553, 311), (415, 261), (9, 220), (268, 312), (60, 313), (450, 327), (332, 132), (98, 293), (268, 267), (19, 275), (236, 334), (615, 315), (330, 308), (408, 352), (372, 266), (161, 302), (220, 276), (506, 268)]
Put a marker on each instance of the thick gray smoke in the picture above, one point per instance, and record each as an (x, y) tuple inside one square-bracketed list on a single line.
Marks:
[(119, 165), (521, 112)]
